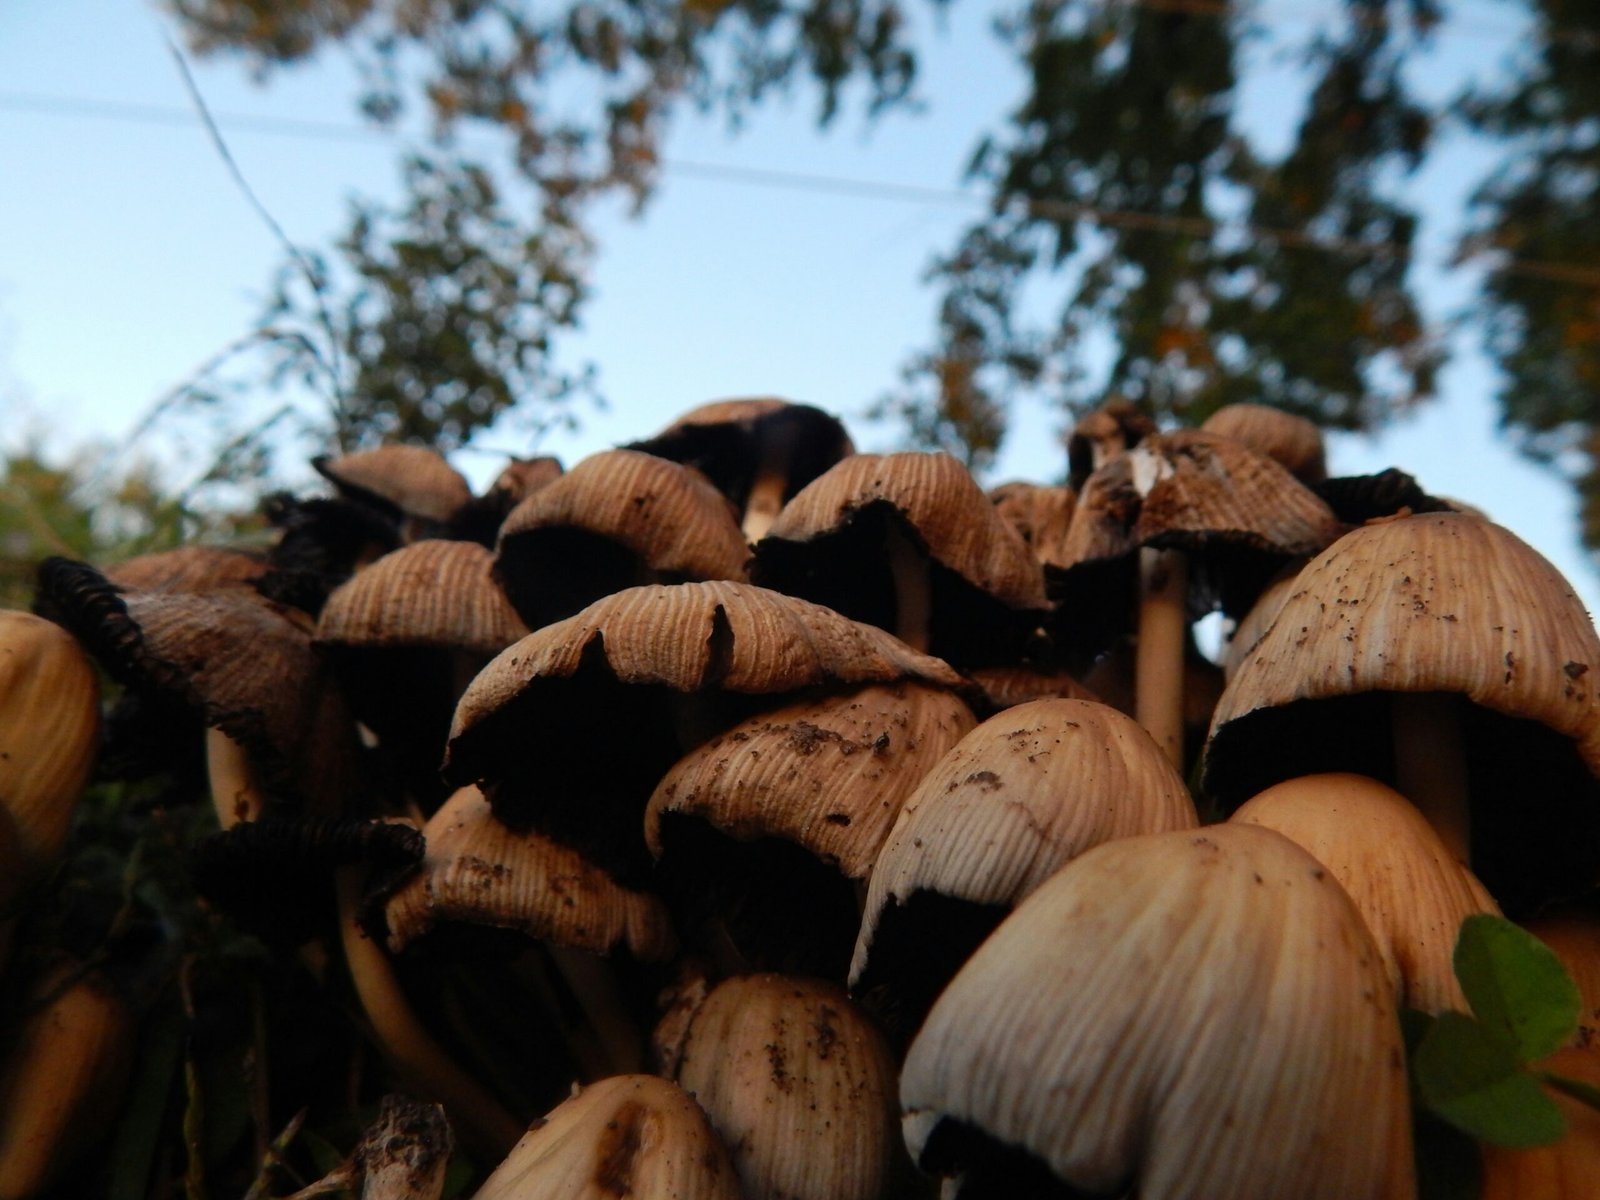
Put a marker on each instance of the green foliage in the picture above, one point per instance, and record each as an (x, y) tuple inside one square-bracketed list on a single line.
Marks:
[(1473, 1072)]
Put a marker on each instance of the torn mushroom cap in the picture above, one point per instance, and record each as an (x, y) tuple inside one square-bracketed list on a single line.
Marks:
[(1101, 435), (1282, 436), (766, 829), (799, 1085), (618, 519), (413, 481), (1445, 605), (1197, 1013), (985, 590), (1041, 514), (243, 662), (479, 871), (630, 1135), (1411, 891), (1021, 795), (49, 734)]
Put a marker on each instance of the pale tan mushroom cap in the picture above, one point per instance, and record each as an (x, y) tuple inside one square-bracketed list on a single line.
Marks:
[(49, 735), (799, 1085), (941, 502), (667, 514), (730, 411), (479, 871), (1292, 441), (630, 1135), (431, 593), (416, 480), (1015, 800), (1041, 514), (1412, 893), (829, 775), (696, 637), (1197, 1013)]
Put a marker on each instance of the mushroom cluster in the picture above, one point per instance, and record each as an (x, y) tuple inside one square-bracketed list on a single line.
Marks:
[(737, 815)]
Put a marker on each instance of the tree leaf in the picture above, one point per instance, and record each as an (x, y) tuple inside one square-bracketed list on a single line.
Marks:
[(1585, 1093), (1469, 1075), (1516, 985)]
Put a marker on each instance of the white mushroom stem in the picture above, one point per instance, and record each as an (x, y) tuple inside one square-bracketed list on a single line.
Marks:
[(235, 793), (592, 982), (406, 1043), (1430, 764), (765, 501), (1158, 662), (913, 590)]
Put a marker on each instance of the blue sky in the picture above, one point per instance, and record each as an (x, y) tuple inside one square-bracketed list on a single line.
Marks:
[(130, 256)]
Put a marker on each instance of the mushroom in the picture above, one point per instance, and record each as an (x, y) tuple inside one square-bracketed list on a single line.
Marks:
[(1194, 1013), (798, 1084), (1442, 655), (1017, 798), (1282, 436), (411, 485), (631, 1135), (618, 519), (1114, 428), (909, 543)]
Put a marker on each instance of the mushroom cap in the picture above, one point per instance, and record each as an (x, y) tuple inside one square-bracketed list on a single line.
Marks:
[(618, 518), (1442, 603), (432, 593), (1040, 513), (799, 1085), (1411, 892), (1196, 1013), (1101, 435), (1015, 800), (49, 734), (629, 1135), (245, 663), (1290, 440), (477, 870), (1000, 688), (714, 636), (187, 569), (413, 480)]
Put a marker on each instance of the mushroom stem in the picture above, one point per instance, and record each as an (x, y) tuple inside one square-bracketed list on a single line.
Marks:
[(1430, 765), (762, 505), (484, 1123), (913, 590), (235, 793), (595, 987), (1158, 663)]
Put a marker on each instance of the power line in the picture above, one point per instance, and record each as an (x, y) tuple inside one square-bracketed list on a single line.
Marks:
[(874, 189)]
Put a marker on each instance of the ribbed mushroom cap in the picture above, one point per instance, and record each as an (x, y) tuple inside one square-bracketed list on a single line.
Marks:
[(187, 569), (1016, 799), (1198, 1013), (1253, 625), (1292, 441), (618, 519), (827, 545), (630, 1135), (49, 733), (245, 663), (414, 481), (1041, 514), (434, 593), (799, 1085), (1000, 688), (479, 871), (1412, 893), (1238, 514), (1440, 603), (576, 723), (766, 828), (1099, 436)]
